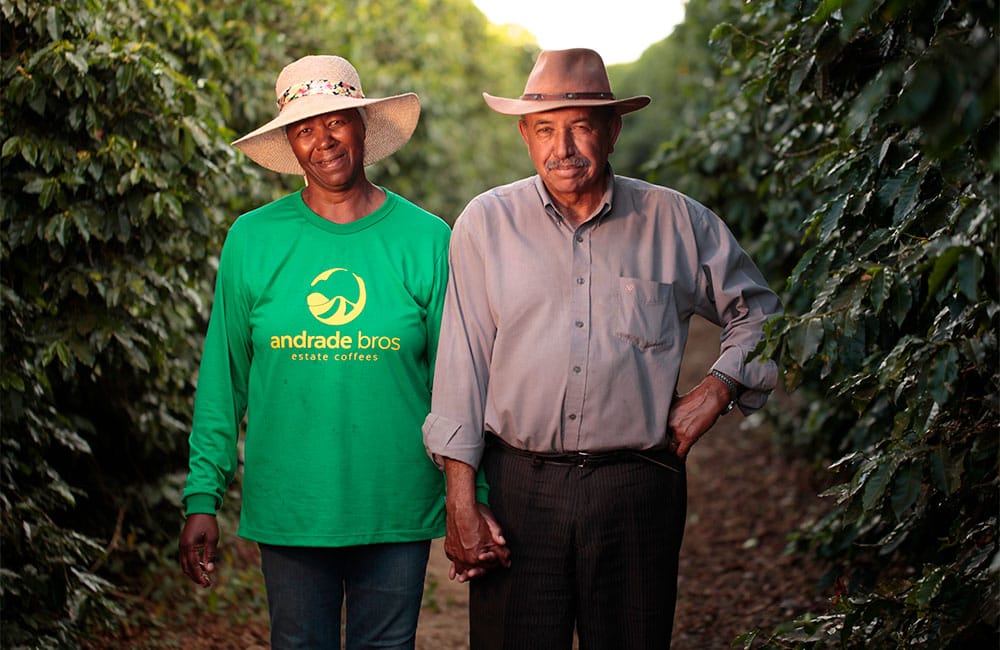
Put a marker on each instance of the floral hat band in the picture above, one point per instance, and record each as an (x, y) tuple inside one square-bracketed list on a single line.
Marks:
[(317, 87)]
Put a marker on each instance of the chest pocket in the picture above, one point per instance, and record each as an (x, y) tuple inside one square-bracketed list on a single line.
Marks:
[(647, 315)]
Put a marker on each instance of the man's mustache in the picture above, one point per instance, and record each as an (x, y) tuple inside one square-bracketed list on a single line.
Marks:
[(567, 163)]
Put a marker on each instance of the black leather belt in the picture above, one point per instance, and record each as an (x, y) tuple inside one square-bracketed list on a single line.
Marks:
[(660, 457)]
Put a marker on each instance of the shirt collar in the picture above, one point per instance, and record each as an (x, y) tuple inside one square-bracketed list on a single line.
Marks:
[(553, 212)]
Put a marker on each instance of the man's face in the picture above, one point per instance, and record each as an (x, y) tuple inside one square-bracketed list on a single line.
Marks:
[(330, 148), (570, 146)]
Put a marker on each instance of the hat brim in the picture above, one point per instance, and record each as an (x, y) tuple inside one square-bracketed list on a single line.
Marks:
[(508, 106), (391, 122)]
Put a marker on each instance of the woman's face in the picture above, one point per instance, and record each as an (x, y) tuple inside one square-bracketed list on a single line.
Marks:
[(330, 148)]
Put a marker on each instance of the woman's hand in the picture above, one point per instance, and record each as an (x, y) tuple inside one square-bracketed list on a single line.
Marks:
[(198, 548)]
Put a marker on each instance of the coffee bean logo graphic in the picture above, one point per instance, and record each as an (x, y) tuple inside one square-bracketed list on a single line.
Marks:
[(329, 304)]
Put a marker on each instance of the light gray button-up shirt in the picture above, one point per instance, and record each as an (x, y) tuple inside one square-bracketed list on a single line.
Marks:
[(558, 337)]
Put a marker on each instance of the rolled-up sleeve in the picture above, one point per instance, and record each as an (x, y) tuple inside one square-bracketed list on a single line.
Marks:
[(737, 298), (454, 427)]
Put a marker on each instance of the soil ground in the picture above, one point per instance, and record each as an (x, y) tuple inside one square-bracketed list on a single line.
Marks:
[(744, 498)]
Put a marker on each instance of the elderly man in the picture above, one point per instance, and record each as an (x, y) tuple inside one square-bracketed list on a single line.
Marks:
[(564, 325)]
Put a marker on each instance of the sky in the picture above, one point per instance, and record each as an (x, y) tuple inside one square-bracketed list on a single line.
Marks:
[(620, 31)]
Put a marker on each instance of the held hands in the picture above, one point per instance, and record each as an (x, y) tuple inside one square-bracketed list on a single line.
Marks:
[(694, 413), (474, 542), (198, 544)]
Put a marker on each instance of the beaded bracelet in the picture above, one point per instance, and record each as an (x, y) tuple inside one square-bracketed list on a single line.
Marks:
[(734, 390)]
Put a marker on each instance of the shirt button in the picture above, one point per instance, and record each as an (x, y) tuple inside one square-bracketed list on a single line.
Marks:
[(579, 280), (579, 323), (576, 369), (572, 416), (579, 238)]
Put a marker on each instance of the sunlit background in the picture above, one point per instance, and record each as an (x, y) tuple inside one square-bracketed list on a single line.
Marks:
[(620, 32)]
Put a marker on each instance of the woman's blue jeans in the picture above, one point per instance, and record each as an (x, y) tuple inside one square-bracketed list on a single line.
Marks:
[(306, 588)]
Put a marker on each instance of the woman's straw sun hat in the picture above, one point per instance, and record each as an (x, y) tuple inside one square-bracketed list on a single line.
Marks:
[(314, 85)]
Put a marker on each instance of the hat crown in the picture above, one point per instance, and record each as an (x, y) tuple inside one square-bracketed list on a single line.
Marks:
[(313, 68), (560, 72)]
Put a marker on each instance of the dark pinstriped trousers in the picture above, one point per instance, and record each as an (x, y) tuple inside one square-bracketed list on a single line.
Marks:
[(591, 547)]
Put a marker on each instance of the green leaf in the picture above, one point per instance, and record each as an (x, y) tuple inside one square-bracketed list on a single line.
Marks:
[(38, 102), (136, 356), (79, 284), (82, 223), (721, 31), (78, 62), (876, 484), (832, 212), (857, 12), (944, 373), (947, 469), (29, 151), (10, 145), (805, 339), (970, 273), (873, 241), (825, 9), (906, 489), (801, 267), (920, 89), (906, 200), (56, 228), (900, 302), (62, 489), (889, 191), (53, 24), (927, 588), (92, 582), (49, 191), (799, 74), (867, 107), (198, 134), (881, 283)]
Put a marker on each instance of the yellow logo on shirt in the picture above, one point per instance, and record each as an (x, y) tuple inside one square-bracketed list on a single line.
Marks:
[(336, 309), (339, 296)]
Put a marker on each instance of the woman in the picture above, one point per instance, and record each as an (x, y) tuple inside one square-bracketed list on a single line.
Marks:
[(323, 332)]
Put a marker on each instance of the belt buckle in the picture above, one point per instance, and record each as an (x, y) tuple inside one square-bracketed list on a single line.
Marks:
[(582, 458)]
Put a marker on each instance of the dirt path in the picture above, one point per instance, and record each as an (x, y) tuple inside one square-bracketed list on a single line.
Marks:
[(744, 499)]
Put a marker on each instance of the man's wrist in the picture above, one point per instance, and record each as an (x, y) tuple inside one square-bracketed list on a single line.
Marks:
[(734, 390)]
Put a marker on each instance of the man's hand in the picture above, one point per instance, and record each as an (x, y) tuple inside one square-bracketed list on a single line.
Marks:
[(473, 540), (693, 414), (474, 543), (198, 548)]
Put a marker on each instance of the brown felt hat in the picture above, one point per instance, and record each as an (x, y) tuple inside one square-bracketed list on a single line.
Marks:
[(318, 84), (563, 79)]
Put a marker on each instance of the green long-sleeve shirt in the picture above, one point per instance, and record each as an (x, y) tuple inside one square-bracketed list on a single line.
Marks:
[(323, 335)]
